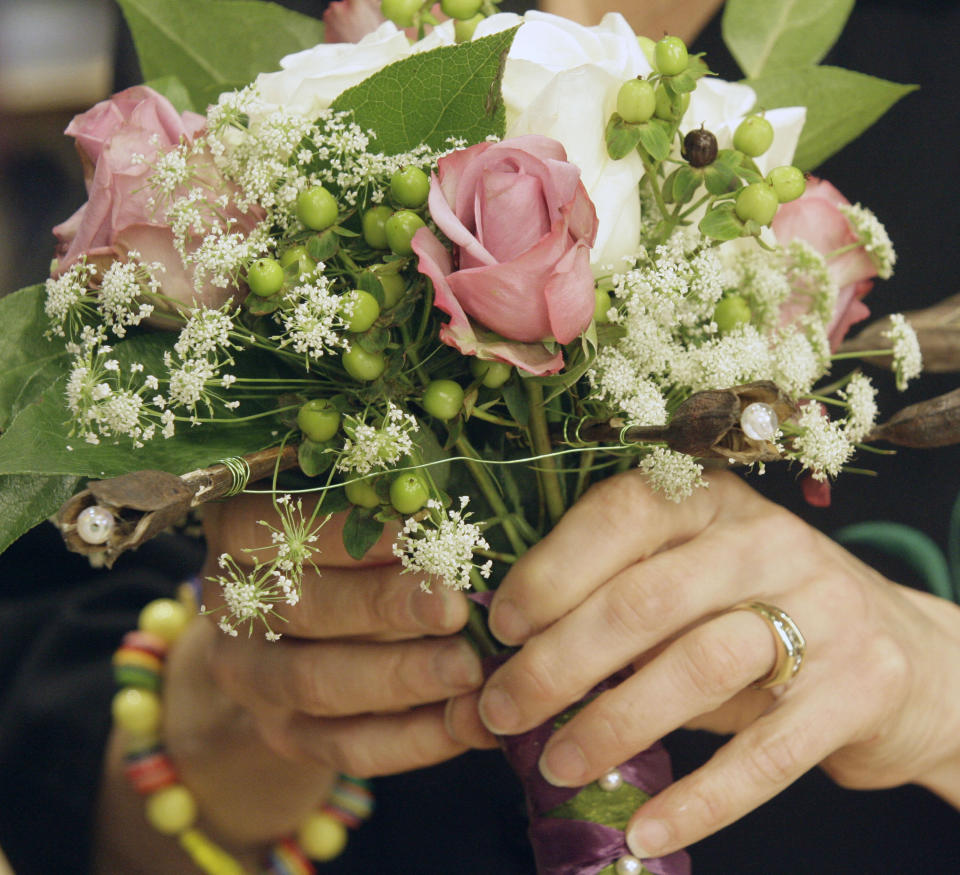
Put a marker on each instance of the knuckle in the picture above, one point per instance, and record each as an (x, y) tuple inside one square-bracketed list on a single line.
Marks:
[(535, 675), (643, 606), (709, 806), (712, 666), (773, 761), (608, 730), (309, 687), (408, 672)]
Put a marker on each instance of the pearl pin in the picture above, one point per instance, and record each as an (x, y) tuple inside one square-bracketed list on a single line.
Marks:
[(628, 865), (95, 524), (759, 421), (611, 781)]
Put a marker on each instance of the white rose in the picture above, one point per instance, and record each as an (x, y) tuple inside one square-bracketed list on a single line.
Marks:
[(561, 80), (309, 81)]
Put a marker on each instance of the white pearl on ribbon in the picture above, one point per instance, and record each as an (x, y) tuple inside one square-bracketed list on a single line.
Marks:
[(95, 524), (628, 865), (759, 421), (611, 781)]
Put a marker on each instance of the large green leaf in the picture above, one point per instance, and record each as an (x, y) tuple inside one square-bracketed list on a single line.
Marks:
[(841, 105), (215, 45), (28, 360), (37, 441), (28, 499), (766, 36), (434, 96)]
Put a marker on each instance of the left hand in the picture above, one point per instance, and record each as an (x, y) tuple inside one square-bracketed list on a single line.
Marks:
[(627, 577)]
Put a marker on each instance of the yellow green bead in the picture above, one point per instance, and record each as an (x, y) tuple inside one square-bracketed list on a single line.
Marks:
[(166, 618), (138, 711), (172, 809), (208, 856), (322, 837)]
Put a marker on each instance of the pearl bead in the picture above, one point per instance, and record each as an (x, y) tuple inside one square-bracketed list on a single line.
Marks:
[(95, 524), (628, 865), (611, 781), (759, 421)]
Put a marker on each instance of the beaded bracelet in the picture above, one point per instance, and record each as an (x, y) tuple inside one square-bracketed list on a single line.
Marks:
[(170, 807)]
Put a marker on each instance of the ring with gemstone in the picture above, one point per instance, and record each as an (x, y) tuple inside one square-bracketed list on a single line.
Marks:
[(791, 646)]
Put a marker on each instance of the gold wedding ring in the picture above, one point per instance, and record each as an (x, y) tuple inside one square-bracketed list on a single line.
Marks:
[(791, 646)]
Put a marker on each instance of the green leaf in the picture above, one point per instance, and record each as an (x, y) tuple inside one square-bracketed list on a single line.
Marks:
[(621, 137), (322, 247), (27, 500), (841, 105), (719, 178), (766, 36), (721, 223), (37, 441), (612, 808), (215, 45), (434, 96), (517, 404), (28, 360), (680, 186), (175, 91), (314, 458), (655, 138), (361, 531)]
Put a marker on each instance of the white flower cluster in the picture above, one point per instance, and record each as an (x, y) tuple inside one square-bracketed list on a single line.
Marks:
[(442, 547), (873, 237), (312, 319), (376, 447), (907, 357), (673, 474)]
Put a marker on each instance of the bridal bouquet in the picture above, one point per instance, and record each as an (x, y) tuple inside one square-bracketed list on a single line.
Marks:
[(453, 278)]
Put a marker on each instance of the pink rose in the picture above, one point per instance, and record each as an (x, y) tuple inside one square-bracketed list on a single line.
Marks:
[(522, 225), (816, 218), (119, 140), (349, 21)]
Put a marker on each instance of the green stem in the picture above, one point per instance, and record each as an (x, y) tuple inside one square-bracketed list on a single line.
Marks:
[(860, 354), (543, 446), (477, 634), (507, 558), (480, 413), (583, 474), (489, 489)]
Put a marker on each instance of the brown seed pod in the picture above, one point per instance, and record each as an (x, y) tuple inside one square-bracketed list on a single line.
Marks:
[(700, 147)]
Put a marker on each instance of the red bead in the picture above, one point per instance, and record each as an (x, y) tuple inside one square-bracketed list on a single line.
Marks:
[(150, 772)]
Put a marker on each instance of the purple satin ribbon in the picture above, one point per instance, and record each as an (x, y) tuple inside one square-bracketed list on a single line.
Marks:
[(564, 846)]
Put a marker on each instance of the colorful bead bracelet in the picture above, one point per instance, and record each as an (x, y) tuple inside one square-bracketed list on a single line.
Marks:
[(170, 807)]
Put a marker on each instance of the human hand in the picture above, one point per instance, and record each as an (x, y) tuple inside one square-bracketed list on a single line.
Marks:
[(877, 702), (356, 684)]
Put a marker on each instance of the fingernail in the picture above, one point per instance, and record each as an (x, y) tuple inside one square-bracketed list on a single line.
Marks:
[(508, 624), (459, 667), (648, 838), (563, 764), (498, 711)]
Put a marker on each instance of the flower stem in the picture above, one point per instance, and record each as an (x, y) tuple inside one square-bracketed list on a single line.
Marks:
[(542, 445), (489, 489)]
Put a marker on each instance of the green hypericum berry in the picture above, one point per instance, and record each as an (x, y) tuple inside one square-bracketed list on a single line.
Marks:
[(409, 187), (731, 311), (463, 30), (408, 493), (788, 182), (491, 374), (363, 310), (601, 306), (757, 201), (400, 12), (317, 208), (374, 225), (400, 228), (265, 277), (361, 493), (460, 9), (298, 255), (443, 399), (636, 101), (753, 136), (671, 56), (318, 419), (363, 365), (670, 110), (393, 288)]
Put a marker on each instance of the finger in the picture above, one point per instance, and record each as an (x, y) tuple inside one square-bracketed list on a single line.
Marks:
[(338, 679), (620, 521), (374, 602), (697, 673), (464, 724), (642, 606), (372, 745), (753, 767)]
